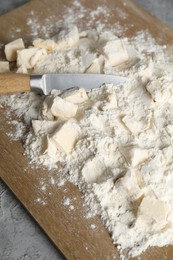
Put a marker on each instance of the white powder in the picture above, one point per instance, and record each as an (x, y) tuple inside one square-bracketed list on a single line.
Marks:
[(75, 14), (121, 158), (67, 202), (93, 226), (41, 201), (52, 181)]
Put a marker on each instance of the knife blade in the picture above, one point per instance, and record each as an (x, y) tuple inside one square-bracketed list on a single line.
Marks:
[(12, 83)]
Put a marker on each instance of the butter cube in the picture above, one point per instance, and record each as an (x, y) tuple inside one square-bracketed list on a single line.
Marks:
[(133, 154), (137, 125), (43, 126), (22, 69), (115, 52), (4, 66), (47, 44), (152, 209), (67, 38), (29, 57), (75, 96), (51, 150), (66, 137), (107, 36), (95, 67), (155, 88), (88, 58), (12, 47), (63, 108)]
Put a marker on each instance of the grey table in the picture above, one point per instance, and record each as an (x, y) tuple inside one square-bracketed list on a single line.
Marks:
[(20, 236)]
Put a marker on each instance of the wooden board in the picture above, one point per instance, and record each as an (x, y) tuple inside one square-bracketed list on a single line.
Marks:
[(69, 229)]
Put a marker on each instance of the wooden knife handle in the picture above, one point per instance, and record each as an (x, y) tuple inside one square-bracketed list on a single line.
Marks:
[(13, 83)]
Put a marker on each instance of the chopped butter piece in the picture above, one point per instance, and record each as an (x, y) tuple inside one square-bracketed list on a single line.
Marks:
[(137, 125), (151, 208), (83, 34), (66, 136), (51, 150), (63, 108), (88, 58), (133, 154), (43, 126), (154, 88), (75, 96), (115, 53), (22, 69), (47, 44), (4, 66), (29, 57), (95, 67), (107, 36), (67, 38), (12, 47), (84, 44), (93, 35)]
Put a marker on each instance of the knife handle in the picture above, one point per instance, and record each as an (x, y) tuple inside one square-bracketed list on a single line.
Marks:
[(14, 83)]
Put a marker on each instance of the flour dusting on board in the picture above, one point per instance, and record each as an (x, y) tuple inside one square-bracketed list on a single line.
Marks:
[(114, 143), (75, 14)]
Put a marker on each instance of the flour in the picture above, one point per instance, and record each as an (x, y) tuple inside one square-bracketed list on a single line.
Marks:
[(19, 131), (93, 226), (74, 14), (67, 202), (120, 148)]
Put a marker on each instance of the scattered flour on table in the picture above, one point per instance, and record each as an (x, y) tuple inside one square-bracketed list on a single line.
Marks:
[(76, 13), (115, 142), (67, 202)]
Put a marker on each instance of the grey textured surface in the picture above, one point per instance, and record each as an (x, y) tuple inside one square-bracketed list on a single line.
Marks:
[(20, 236), (162, 9), (8, 5)]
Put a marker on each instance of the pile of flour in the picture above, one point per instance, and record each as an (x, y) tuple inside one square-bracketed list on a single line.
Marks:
[(116, 141)]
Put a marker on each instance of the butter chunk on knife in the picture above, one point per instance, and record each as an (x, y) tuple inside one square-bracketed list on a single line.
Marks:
[(16, 83)]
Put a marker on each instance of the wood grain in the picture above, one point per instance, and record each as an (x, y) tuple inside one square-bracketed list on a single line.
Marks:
[(69, 229), (14, 83)]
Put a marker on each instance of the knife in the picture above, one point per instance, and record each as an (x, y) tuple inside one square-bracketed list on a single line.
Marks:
[(13, 83)]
